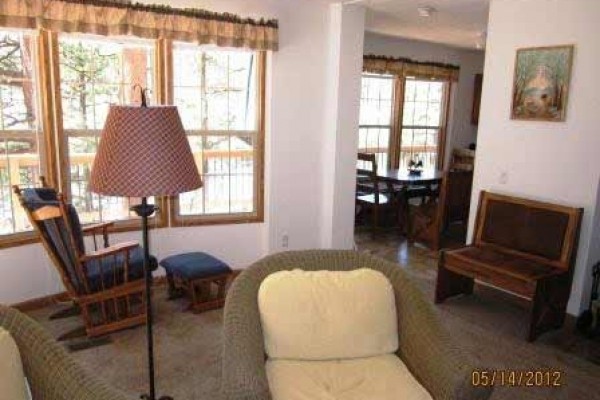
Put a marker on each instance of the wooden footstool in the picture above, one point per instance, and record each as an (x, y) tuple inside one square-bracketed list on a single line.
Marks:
[(200, 276)]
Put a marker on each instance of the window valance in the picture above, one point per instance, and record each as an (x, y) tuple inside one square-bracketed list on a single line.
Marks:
[(405, 67), (121, 17)]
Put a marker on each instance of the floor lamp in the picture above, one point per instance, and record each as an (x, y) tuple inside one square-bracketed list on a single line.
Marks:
[(144, 152)]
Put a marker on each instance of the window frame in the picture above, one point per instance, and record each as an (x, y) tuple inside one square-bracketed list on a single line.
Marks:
[(442, 128), (392, 126), (48, 157), (397, 112), (257, 216), (159, 219), (55, 163)]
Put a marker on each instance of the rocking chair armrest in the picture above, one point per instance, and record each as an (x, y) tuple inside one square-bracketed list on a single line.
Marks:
[(93, 228), (107, 251)]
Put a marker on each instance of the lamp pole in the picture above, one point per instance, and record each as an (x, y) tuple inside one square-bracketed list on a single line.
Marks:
[(145, 210)]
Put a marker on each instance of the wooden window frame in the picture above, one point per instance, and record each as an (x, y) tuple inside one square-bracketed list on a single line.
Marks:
[(160, 220), (55, 162), (48, 159), (393, 125), (396, 137), (257, 216)]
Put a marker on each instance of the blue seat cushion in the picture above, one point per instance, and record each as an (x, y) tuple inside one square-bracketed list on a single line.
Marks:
[(195, 265), (102, 270)]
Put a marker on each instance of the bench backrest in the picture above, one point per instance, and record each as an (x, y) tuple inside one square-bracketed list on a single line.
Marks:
[(540, 231)]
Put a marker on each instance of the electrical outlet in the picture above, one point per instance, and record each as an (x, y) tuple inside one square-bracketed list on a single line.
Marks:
[(285, 240), (503, 179)]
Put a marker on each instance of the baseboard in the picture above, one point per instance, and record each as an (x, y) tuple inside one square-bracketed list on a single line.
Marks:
[(45, 301), (41, 302)]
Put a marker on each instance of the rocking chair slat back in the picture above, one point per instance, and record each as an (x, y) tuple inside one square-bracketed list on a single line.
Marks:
[(108, 284)]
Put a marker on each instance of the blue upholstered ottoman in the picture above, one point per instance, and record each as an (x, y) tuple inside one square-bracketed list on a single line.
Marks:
[(202, 277)]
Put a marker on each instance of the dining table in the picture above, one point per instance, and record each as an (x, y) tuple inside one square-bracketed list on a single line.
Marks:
[(401, 177)]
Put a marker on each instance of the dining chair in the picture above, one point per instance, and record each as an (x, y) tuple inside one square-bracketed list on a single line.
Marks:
[(431, 219), (371, 193)]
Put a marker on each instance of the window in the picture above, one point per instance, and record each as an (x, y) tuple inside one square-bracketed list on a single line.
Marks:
[(422, 122), (376, 105), (216, 92), (400, 128), (95, 73), (67, 83), (21, 137)]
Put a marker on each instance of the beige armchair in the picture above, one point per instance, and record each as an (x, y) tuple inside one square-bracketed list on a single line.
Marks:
[(424, 346)]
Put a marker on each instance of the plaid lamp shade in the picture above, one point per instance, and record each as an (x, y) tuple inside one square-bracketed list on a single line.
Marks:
[(143, 152)]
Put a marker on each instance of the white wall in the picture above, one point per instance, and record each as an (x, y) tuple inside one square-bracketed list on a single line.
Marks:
[(460, 130), (343, 102), (556, 162), (296, 134)]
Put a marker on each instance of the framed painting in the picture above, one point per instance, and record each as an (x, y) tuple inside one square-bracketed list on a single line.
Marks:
[(541, 83)]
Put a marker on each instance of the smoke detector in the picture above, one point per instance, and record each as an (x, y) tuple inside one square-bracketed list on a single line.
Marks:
[(426, 11)]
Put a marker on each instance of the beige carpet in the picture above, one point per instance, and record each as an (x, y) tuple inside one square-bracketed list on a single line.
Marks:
[(490, 326)]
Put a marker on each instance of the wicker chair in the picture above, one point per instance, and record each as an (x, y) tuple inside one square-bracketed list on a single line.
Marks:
[(51, 372), (425, 347)]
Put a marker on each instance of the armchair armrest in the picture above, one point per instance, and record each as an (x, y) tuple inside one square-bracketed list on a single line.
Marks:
[(52, 373), (427, 349), (108, 251), (244, 376)]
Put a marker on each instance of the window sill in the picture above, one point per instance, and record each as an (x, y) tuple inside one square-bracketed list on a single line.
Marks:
[(25, 238), (220, 219)]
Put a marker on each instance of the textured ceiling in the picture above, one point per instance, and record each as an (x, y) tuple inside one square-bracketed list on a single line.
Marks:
[(456, 22)]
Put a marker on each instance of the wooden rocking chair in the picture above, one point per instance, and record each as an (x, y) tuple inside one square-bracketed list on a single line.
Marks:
[(107, 284)]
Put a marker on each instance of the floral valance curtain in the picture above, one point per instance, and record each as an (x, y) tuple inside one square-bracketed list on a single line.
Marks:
[(121, 17), (409, 68)]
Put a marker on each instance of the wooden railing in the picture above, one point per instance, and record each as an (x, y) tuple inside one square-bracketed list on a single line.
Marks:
[(228, 178)]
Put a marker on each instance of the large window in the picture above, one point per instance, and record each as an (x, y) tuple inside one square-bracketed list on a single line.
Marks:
[(403, 119), (376, 105), (422, 122), (95, 73), (68, 82), (21, 138), (217, 96)]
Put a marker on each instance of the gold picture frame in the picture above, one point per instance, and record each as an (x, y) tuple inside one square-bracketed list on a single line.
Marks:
[(541, 83)]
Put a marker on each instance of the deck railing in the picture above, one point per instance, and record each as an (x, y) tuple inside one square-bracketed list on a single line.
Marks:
[(228, 187)]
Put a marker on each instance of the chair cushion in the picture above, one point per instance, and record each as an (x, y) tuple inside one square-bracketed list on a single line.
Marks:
[(374, 378), (12, 379), (194, 265), (326, 315), (98, 271)]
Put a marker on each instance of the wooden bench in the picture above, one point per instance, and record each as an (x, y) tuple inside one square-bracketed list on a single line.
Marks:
[(522, 246)]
